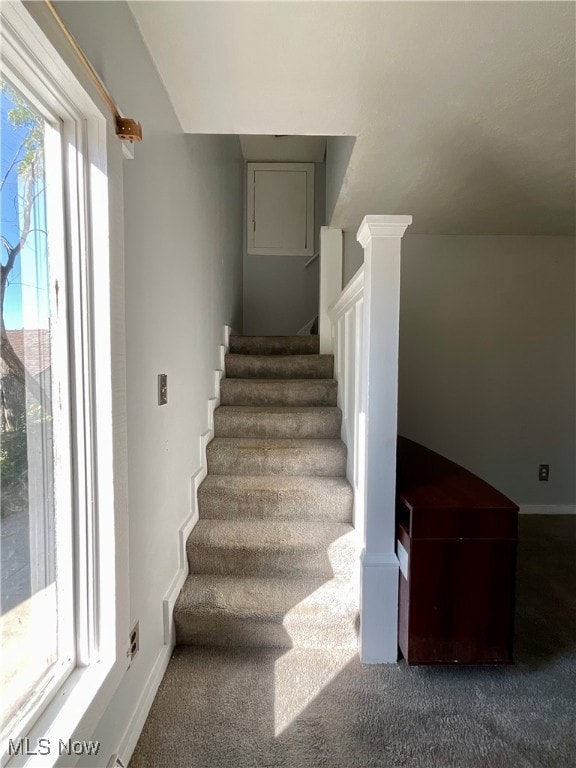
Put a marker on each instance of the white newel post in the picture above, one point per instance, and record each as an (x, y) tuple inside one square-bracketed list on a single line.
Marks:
[(380, 236), (330, 282)]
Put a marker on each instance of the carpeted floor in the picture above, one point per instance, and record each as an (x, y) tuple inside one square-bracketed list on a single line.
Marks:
[(315, 709)]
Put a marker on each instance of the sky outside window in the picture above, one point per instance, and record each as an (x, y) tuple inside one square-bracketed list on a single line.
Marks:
[(26, 302)]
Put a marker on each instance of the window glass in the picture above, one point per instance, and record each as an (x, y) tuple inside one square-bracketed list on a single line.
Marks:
[(35, 632)]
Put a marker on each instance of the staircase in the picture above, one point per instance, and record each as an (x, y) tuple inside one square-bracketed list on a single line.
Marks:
[(272, 560)]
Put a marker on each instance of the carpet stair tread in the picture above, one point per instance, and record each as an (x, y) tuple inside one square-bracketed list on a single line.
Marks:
[(277, 421), (285, 345), (256, 456), (279, 366), (266, 612), (275, 496), (297, 392), (272, 547)]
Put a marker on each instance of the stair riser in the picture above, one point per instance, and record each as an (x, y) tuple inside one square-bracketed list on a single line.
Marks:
[(329, 461), (227, 504), (280, 367), (275, 345), (227, 631), (295, 393), (298, 562), (278, 425)]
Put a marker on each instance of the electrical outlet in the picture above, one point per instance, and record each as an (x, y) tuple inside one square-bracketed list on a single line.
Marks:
[(162, 388), (544, 472), (134, 641)]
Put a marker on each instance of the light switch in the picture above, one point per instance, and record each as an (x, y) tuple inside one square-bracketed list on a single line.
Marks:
[(162, 388)]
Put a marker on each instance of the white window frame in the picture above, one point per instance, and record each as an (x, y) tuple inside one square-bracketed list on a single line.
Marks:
[(60, 411), (100, 526)]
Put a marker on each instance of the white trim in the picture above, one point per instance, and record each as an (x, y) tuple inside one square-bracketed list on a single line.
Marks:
[(378, 641), (36, 48), (403, 559), (349, 296), (178, 581), (547, 509), (330, 282), (228, 331), (45, 61), (58, 556), (379, 560), (188, 525), (381, 238), (382, 226), (136, 724)]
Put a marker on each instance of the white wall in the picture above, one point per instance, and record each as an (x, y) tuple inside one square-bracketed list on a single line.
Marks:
[(487, 369), (183, 274), (280, 295)]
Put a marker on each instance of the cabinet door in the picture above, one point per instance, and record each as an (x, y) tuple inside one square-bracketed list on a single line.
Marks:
[(280, 209)]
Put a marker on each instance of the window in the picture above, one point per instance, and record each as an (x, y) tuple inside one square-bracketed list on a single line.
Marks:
[(36, 598), (60, 600)]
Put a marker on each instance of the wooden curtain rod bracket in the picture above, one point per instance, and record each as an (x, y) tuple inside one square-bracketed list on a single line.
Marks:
[(127, 129)]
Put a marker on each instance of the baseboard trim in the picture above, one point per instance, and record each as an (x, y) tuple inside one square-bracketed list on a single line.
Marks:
[(378, 640), (136, 724), (547, 509), (178, 581)]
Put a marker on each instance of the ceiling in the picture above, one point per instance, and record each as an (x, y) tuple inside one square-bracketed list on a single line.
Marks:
[(463, 112)]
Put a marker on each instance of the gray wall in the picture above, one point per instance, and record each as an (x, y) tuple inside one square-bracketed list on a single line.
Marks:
[(487, 358), (280, 295), (338, 153), (487, 369), (183, 277), (352, 257)]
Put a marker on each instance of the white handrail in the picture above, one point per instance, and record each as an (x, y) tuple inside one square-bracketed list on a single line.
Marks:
[(348, 297)]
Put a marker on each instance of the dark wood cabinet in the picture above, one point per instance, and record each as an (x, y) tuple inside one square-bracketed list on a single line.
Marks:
[(457, 539)]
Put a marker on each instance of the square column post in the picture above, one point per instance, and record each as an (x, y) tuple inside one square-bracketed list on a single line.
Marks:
[(381, 237), (330, 282)]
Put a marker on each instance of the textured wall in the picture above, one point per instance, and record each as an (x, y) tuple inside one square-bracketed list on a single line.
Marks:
[(463, 112), (352, 256), (487, 358)]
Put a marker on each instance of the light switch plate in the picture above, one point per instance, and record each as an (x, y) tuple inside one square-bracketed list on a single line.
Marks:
[(162, 388)]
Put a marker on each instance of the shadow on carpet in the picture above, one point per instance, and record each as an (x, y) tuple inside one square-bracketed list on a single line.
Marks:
[(249, 708)]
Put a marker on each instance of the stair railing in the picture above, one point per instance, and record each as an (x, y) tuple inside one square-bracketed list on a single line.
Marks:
[(347, 339), (359, 325)]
